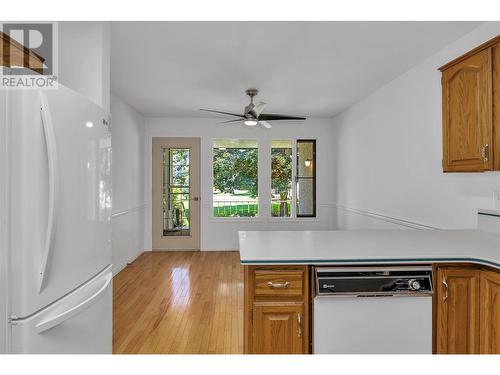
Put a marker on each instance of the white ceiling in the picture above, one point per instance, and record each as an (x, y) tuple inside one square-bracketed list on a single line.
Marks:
[(301, 68)]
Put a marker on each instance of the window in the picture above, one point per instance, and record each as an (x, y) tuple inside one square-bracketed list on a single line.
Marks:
[(235, 178), (176, 192), (281, 178), (289, 199), (306, 178)]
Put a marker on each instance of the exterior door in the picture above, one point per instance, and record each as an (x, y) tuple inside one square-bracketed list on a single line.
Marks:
[(457, 311), (176, 194), (278, 328)]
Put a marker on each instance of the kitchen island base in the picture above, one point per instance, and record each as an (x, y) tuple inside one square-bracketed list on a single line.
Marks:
[(278, 309)]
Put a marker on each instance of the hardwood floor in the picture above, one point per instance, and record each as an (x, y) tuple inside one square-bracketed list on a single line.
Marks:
[(179, 302)]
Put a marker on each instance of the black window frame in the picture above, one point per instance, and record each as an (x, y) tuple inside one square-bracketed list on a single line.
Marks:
[(313, 178)]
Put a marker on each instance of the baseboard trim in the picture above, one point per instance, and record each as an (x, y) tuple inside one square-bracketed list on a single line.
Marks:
[(123, 266), (387, 218)]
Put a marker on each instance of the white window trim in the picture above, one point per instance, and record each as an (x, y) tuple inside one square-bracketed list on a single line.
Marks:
[(265, 206)]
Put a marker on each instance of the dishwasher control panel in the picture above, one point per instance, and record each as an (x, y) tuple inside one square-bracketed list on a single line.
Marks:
[(373, 281)]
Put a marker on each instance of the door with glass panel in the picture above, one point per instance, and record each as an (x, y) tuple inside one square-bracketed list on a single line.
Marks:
[(176, 194)]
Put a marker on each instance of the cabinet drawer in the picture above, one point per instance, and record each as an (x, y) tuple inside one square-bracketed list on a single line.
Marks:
[(279, 282)]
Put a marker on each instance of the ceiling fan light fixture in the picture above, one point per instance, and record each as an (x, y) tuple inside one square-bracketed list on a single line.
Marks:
[(253, 114)]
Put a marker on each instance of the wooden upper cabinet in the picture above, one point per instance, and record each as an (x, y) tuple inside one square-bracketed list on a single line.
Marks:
[(14, 54), (490, 312), (466, 114), (457, 320), (278, 328), (471, 107)]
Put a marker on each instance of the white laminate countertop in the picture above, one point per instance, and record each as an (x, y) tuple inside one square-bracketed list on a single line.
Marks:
[(369, 247)]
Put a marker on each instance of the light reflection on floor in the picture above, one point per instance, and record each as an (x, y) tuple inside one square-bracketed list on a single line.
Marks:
[(180, 282)]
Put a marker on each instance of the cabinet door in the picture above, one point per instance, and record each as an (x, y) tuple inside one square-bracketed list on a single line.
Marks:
[(467, 115), (457, 311), (490, 312), (278, 328)]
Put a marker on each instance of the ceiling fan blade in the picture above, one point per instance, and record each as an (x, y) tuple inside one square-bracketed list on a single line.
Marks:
[(224, 113), (265, 124), (258, 108), (249, 108), (272, 116), (230, 121)]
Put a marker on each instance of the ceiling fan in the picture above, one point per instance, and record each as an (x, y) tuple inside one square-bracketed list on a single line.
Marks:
[(253, 115)]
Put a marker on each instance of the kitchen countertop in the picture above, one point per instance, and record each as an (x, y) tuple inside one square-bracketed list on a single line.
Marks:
[(370, 247)]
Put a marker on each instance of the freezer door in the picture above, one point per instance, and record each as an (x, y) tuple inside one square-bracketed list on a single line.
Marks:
[(79, 323), (60, 177)]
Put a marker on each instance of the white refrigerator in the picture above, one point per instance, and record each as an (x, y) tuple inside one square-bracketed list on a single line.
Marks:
[(59, 210)]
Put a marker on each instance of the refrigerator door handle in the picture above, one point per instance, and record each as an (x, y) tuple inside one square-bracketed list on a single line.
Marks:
[(60, 318), (50, 140)]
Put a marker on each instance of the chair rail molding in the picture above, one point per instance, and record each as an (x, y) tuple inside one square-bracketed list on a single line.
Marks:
[(387, 218), (129, 210)]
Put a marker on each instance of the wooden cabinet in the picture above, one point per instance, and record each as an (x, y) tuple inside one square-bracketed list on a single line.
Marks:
[(277, 328), (457, 310), (489, 316), (276, 310), (471, 110), (14, 54), (467, 310)]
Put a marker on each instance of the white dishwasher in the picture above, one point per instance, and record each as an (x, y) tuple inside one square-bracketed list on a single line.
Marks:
[(368, 310)]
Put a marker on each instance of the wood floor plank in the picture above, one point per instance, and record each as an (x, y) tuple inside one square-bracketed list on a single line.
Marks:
[(179, 302)]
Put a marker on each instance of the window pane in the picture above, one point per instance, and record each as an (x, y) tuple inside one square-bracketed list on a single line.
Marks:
[(235, 184), (281, 178), (305, 197), (176, 192), (305, 156), (306, 178)]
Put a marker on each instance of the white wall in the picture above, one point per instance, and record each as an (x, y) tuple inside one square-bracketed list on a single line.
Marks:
[(221, 233), (389, 153), (84, 59), (4, 222), (128, 185)]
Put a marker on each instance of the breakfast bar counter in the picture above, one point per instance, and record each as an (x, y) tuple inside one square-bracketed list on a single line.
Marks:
[(281, 288), (370, 247)]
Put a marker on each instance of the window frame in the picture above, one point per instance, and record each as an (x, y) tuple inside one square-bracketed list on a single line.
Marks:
[(313, 178), (295, 216)]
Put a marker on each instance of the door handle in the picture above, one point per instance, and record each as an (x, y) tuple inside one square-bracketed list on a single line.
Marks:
[(50, 141), (196, 199), (299, 324), (284, 285), (445, 297), (58, 319)]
